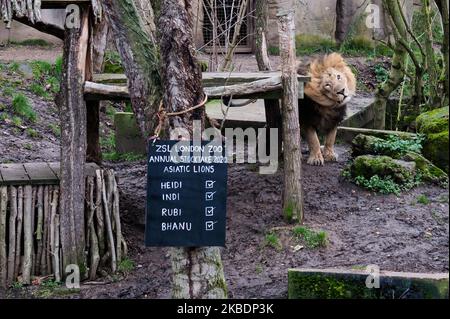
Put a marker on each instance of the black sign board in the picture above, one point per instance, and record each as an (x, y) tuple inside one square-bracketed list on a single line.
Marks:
[(186, 194)]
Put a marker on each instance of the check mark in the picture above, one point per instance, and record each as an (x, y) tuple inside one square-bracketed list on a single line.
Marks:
[(209, 196), (210, 226), (209, 184), (209, 211)]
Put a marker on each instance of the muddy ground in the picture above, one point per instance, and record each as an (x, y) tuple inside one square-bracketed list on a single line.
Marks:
[(396, 233)]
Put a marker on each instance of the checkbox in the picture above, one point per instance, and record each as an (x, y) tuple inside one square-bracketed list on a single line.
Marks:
[(209, 211), (210, 226), (209, 184), (209, 196)]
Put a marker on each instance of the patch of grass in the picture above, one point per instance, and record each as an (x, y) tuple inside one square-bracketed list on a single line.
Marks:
[(273, 241), (259, 269), (32, 42), (4, 116), (307, 44), (444, 199), (127, 157), (28, 146), (41, 69), (38, 90), (32, 133), (17, 121), (21, 106), (17, 285), (272, 50), (14, 67), (52, 288), (56, 130), (423, 199), (58, 66), (110, 111), (126, 265), (359, 267), (312, 239), (8, 91), (108, 143)]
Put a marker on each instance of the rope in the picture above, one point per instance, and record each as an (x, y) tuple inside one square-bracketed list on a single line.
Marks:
[(162, 114)]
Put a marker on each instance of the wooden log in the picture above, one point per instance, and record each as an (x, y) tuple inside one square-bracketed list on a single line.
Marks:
[(91, 234), (33, 231), (3, 255), (73, 143), (45, 233), (17, 262), (292, 194), (39, 227), (99, 212), (28, 235), (12, 234), (116, 215), (54, 235), (108, 226)]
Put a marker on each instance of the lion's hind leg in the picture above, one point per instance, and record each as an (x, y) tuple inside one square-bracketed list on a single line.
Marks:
[(328, 151), (315, 154)]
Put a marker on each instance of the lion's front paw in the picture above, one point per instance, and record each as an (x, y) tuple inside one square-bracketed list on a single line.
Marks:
[(329, 155), (315, 159)]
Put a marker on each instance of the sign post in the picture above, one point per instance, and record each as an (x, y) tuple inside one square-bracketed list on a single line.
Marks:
[(186, 194)]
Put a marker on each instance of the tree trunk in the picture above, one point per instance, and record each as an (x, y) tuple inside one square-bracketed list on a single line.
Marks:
[(272, 107), (96, 55), (73, 143), (397, 72), (292, 195), (344, 15), (197, 272), (140, 58), (443, 9)]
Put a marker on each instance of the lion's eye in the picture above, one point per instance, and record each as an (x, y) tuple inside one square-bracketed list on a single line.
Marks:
[(338, 77)]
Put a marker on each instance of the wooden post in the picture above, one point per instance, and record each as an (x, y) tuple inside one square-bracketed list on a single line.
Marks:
[(197, 272), (292, 195), (73, 143), (3, 254), (271, 107), (97, 47)]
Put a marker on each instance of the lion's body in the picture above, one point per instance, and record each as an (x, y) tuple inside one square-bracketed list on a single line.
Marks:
[(332, 86)]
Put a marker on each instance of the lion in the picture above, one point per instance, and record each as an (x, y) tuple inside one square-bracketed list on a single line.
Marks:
[(332, 86)]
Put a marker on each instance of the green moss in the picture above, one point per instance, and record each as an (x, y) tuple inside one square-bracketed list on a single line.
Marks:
[(369, 165), (321, 286), (434, 121), (21, 106), (436, 148), (428, 171)]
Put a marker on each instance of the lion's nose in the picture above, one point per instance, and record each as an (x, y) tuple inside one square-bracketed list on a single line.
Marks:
[(342, 92)]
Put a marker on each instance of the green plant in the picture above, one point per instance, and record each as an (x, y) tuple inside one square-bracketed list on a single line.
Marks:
[(32, 133), (108, 143), (272, 50), (58, 66), (312, 239), (423, 199), (41, 69), (4, 117), (56, 130), (273, 241), (14, 67), (38, 90), (396, 145), (126, 265), (22, 106), (381, 73), (28, 146), (17, 121), (17, 285), (383, 185), (8, 91)]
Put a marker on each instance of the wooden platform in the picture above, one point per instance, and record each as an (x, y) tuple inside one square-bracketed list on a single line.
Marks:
[(35, 173)]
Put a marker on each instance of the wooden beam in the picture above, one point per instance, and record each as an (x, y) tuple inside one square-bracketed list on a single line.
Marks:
[(48, 28), (268, 88), (58, 4), (209, 79)]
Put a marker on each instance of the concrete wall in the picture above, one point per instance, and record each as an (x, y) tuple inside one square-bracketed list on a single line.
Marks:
[(20, 32)]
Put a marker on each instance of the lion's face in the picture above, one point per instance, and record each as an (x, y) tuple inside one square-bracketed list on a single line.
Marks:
[(332, 81), (334, 85)]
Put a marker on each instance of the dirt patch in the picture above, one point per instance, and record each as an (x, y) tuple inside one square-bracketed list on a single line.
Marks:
[(30, 53)]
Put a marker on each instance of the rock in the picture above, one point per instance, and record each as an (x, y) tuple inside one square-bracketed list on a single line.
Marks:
[(401, 172), (434, 125), (428, 171)]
